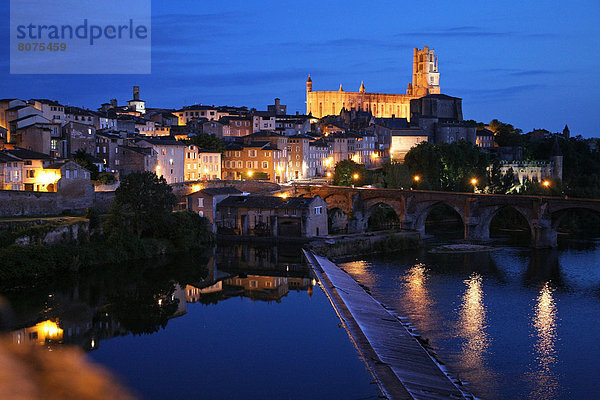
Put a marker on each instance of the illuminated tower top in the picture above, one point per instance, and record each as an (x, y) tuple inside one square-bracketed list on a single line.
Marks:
[(426, 77)]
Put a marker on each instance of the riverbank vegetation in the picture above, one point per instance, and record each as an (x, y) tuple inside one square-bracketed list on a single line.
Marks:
[(141, 224)]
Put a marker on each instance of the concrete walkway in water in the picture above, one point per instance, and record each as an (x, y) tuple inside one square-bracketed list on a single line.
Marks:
[(402, 367)]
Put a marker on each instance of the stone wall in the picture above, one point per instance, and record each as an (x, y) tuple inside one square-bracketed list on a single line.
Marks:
[(20, 203), (103, 200), (57, 234), (16, 203), (250, 186)]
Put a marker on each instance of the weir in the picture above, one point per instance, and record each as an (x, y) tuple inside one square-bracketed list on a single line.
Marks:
[(402, 367)]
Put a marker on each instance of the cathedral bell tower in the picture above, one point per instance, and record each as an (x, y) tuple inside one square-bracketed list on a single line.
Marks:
[(426, 77)]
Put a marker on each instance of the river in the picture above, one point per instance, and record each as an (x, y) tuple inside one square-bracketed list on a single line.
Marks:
[(515, 323), (249, 322), (238, 322)]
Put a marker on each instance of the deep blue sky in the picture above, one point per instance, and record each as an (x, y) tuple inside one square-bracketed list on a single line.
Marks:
[(533, 65)]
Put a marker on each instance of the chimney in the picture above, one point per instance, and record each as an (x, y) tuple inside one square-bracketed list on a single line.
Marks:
[(113, 103), (136, 92), (277, 102)]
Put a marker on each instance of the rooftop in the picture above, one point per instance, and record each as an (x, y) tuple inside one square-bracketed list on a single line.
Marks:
[(272, 202), (220, 191)]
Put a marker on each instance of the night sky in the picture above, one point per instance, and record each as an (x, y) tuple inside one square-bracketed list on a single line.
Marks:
[(533, 65)]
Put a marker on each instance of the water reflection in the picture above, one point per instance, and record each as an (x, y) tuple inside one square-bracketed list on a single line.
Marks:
[(545, 383), (417, 298), (544, 266), (141, 299), (472, 327), (360, 271)]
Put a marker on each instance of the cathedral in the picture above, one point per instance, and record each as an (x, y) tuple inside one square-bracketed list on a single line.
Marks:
[(425, 80)]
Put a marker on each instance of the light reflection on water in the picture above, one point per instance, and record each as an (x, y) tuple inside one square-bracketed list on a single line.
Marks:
[(417, 299), (472, 328), (494, 319), (544, 381)]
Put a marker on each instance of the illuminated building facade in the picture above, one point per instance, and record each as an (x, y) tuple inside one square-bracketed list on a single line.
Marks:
[(201, 164), (425, 80)]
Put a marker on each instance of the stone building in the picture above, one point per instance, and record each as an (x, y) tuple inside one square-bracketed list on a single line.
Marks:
[(425, 80), (440, 117), (403, 140), (170, 158), (204, 202), (485, 138), (201, 164), (236, 126), (298, 153), (318, 156), (272, 216), (135, 159), (79, 136), (255, 160)]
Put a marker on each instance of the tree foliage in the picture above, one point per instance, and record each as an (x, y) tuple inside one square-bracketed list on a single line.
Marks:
[(447, 166), (208, 142), (348, 173), (86, 160), (505, 134), (396, 176), (581, 163), (425, 161), (142, 204)]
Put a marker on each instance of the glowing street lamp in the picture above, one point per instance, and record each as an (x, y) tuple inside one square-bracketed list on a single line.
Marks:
[(546, 183), (250, 173), (355, 177), (474, 181), (416, 178), (329, 174)]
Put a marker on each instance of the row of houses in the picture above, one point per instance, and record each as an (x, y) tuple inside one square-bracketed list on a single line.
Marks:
[(269, 145)]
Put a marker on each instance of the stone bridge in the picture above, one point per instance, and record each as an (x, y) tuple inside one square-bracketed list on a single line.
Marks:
[(543, 214)]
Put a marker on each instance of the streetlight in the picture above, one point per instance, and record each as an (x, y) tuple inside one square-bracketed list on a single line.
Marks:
[(355, 177), (474, 181), (250, 173), (546, 183), (417, 178)]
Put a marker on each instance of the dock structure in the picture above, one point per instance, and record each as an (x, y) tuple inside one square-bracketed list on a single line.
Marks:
[(402, 367)]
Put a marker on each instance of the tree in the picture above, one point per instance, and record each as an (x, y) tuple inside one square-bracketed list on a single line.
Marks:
[(348, 173), (505, 134), (424, 160), (142, 204), (396, 176), (208, 142), (461, 163), (86, 160), (495, 179), (447, 166), (508, 180)]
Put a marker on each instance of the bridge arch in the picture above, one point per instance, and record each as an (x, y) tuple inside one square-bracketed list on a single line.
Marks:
[(337, 220), (561, 215), (524, 215), (382, 216), (340, 201), (424, 209)]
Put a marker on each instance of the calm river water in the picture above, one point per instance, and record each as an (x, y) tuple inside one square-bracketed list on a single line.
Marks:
[(249, 323), (240, 323), (513, 324)]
